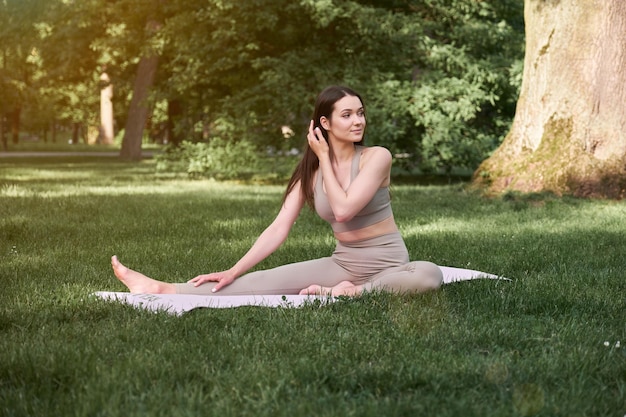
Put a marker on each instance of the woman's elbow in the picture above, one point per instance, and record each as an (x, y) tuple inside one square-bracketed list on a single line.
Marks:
[(343, 217)]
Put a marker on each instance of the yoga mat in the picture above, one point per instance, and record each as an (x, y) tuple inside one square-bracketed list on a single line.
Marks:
[(451, 274), (180, 303)]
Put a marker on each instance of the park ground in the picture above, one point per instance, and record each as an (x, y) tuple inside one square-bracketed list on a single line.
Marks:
[(547, 343)]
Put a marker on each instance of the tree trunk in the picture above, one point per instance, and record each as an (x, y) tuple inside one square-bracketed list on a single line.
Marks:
[(3, 136), (15, 125), (138, 110), (106, 110), (174, 111), (569, 131), (75, 133)]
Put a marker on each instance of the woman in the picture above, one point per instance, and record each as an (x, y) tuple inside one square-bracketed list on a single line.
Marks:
[(347, 184)]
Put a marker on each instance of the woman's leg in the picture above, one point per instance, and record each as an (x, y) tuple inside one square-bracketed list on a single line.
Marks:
[(283, 280), (343, 288), (366, 261), (137, 282), (286, 279), (417, 276)]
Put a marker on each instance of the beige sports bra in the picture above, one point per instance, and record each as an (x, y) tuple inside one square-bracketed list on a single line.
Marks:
[(377, 210)]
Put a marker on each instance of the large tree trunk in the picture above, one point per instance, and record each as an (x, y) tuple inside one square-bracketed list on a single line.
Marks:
[(569, 131)]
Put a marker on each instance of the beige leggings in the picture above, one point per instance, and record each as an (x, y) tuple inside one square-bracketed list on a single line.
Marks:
[(378, 263)]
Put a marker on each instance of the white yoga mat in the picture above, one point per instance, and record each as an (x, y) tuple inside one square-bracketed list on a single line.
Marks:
[(181, 303), (451, 274)]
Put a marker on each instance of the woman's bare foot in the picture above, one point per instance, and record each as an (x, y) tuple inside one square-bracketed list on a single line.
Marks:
[(343, 288), (137, 282)]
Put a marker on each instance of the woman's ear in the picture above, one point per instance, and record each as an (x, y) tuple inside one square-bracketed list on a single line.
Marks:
[(324, 122)]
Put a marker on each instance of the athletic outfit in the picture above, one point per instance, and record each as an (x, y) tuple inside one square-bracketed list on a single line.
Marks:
[(376, 263)]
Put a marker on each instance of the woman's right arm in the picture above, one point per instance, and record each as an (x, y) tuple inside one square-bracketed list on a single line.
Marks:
[(270, 240)]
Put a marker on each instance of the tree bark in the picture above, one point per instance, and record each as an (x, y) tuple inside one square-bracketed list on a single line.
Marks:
[(75, 133), (3, 136), (174, 111), (569, 131), (106, 110), (138, 110), (15, 124)]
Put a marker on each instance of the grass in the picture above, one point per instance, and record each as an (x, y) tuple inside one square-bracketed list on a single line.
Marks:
[(543, 344), (62, 146)]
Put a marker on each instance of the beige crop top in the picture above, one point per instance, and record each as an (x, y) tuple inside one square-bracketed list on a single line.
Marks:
[(378, 209)]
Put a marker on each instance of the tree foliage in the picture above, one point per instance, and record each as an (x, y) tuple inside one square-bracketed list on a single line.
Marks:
[(440, 77)]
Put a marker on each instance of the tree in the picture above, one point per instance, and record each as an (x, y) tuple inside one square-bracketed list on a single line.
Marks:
[(440, 76), (18, 62), (67, 89), (139, 108), (106, 110), (459, 100), (569, 130), (75, 43), (138, 111), (436, 74)]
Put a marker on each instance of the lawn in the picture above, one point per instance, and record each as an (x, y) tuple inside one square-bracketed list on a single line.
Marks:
[(548, 343)]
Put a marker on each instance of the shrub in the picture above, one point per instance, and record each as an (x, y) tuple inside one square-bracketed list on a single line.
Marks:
[(219, 159)]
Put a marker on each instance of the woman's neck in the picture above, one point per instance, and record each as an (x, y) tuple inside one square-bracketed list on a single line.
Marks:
[(343, 152)]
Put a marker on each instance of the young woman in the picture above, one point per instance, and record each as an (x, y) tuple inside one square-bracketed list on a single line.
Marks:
[(347, 184)]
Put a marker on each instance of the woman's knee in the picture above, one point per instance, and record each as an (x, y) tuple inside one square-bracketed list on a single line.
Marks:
[(430, 275)]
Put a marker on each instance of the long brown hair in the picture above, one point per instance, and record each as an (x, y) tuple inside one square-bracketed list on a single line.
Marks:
[(324, 106)]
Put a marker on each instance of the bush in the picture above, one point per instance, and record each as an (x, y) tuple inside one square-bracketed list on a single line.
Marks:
[(219, 159)]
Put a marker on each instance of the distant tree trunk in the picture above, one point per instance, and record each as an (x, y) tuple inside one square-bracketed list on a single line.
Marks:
[(569, 131), (174, 111), (75, 133), (15, 125), (3, 135), (138, 110), (53, 131), (106, 110)]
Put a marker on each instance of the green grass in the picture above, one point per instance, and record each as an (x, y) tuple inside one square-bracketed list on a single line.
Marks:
[(63, 146), (532, 346)]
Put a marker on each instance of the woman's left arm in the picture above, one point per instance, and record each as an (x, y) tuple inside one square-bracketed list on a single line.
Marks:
[(374, 173)]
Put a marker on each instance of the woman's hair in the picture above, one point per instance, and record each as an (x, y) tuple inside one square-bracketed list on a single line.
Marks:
[(324, 106)]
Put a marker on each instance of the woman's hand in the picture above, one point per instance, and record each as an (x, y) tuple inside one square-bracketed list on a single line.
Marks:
[(223, 279), (316, 140)]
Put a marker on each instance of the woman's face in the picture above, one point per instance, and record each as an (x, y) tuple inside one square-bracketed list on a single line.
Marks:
[(347, 121)]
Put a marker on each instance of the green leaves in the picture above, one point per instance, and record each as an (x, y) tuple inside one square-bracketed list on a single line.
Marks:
[(440, 77)]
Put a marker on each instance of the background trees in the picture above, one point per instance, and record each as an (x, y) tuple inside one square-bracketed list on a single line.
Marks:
[(441, 76), (19, 64)]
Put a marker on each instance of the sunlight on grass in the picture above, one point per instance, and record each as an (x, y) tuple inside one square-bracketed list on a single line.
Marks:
[(592, 216), (28, 175), (71, 185), (509, 343), (12, 190)]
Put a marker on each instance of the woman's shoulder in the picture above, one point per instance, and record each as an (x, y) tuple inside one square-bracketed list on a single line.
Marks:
[(377, 158), (376, 152)]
